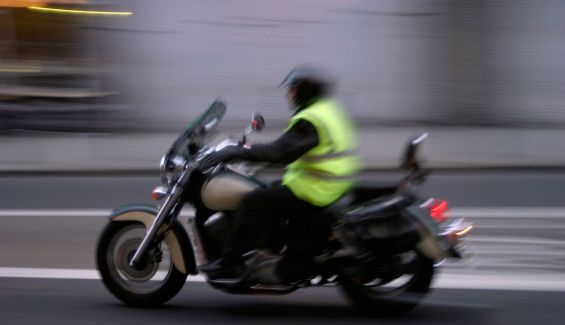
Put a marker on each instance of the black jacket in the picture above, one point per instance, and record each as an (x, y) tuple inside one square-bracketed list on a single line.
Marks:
[(290, 146)]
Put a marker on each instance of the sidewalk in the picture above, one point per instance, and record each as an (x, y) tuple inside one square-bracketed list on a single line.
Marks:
[(381, 148)]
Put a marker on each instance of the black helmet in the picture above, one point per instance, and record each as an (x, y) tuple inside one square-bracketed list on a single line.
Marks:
[(309, 83)]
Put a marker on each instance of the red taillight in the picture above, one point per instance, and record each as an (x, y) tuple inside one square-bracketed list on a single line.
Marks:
[(438, 210)]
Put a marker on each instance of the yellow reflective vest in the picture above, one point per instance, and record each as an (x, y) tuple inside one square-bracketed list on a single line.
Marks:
[(327, 171)]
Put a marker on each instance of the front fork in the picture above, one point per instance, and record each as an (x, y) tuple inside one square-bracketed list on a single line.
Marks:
[(164, 215)]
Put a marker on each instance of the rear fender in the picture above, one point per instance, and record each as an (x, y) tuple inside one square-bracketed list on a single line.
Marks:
[(430, 247), (431, 244), (177, 240)]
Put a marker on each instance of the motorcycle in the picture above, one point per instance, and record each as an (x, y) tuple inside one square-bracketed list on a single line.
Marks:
[(385, 245)]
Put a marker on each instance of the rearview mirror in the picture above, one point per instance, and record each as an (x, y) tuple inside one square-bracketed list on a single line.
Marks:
[(257, 124), (257, 121)]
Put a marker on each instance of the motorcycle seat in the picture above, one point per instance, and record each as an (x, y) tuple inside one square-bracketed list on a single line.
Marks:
[(365, 191), (379, 208), (339, 205)]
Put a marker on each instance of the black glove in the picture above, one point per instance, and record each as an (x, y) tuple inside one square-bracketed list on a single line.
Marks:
[(217, 157)]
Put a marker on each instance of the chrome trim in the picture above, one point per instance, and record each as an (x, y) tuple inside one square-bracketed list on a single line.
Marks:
[(208, 126), (455, 226), (161, 191), (213, 218), (420, 139), (168, 165), (178, 163), (427, 203), (440, 262), (161, 217), (163, 168), (196, 241), (163, 163)]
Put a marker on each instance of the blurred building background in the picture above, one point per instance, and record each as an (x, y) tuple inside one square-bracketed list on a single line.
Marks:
[(52, 71), (399, 62)]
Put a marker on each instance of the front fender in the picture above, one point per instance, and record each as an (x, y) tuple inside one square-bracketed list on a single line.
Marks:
[(182, 253)]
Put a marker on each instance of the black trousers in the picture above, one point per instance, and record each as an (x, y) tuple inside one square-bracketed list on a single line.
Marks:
[(264, 210)]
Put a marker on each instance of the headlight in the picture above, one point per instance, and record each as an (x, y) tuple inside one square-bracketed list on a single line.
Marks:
[(170, 168), (178, 163)]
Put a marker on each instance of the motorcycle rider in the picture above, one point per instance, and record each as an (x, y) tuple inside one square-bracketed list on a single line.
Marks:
[(318, 147)]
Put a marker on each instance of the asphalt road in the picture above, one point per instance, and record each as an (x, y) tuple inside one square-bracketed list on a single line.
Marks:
[(33, 301), (468, 189), (516, 273)]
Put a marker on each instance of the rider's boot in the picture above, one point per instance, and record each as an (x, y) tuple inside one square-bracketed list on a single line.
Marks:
[(293, 268), (229, 267)]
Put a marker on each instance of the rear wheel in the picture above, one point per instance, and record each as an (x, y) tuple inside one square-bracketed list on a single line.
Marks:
[(386, 296), (154, 281)]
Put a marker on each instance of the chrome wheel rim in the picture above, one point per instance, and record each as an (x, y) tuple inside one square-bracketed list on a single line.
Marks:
[(152, 272)]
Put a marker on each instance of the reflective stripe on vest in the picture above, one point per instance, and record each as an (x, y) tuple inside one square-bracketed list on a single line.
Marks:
[(320, 174), (319, 158)]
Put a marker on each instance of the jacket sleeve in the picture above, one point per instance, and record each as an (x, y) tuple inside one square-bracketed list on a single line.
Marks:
[(290, 146)]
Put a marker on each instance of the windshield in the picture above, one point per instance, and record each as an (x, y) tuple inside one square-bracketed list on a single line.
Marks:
[(198, 129)]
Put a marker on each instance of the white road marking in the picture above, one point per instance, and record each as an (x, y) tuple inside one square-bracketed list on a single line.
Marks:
[(515, 240), (48, 273), (68, 213), (450, 278), (445, 280), (502, 281), (56, 213)]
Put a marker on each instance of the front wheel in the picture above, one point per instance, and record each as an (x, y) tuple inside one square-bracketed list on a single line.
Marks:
[(153, 282), (391, 297)]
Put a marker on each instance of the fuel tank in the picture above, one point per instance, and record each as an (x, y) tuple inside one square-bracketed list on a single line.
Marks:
[(224, 191)]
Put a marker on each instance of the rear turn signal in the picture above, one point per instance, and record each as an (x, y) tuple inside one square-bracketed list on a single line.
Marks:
[(457, 230), (463, 231)]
